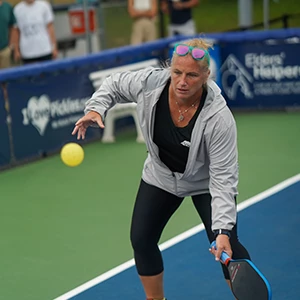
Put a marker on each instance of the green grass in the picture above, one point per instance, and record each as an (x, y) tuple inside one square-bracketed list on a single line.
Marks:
[(219, 15), (64, 226), (210, 16), (59, 222)]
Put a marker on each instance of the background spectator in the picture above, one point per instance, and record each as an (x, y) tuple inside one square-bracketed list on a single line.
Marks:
[(35, 36), (180, 12), (7, 20), (143, 13)]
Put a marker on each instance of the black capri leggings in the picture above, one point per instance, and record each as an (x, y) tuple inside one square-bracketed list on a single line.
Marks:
[(153, 209)]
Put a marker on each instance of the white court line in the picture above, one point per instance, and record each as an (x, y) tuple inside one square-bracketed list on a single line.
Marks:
[(177, 239)]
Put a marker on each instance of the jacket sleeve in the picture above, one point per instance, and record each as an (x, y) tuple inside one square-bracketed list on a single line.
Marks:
[(223, 172), (122, 87)]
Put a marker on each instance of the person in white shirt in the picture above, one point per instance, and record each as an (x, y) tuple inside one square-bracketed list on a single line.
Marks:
[(143, 13), (35, 36)]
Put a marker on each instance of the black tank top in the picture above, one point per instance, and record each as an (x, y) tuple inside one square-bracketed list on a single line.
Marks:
[(173, 142), (179, 16)]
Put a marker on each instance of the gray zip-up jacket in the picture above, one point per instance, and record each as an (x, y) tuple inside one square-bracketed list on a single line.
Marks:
[(212, 164)]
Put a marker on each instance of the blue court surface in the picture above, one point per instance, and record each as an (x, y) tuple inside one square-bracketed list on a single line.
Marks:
[(269, 225)]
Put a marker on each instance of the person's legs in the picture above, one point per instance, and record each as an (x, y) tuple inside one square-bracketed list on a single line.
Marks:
[(187, 28), (150, 30), (5, 60), (202, 204), (172, 30), (152, 210), (137, 32)]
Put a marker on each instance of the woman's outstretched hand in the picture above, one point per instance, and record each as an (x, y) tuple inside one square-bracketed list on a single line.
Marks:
[(82, 124)]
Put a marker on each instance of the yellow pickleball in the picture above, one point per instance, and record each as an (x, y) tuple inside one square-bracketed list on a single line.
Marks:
[(72, 154)]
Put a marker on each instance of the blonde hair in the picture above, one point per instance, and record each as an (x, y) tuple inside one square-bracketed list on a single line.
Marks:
[(199, 43)]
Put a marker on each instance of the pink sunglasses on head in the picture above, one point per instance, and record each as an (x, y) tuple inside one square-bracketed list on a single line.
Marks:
[(197, 53)]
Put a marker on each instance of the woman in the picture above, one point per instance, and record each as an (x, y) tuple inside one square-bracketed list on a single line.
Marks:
[(190, 136), (34, 34)]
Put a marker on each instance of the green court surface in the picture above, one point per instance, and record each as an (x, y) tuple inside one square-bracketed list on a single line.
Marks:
[(61, 226)]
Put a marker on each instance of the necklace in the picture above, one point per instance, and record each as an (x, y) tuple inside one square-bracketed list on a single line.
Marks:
[(181, 116)]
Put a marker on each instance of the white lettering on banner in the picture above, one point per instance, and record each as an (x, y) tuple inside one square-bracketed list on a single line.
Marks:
[(277, 73), (254, 59), (277, 88), (40, 111), (37, 112), (67, 106), (270, 75), (65, 121), (268, 67)]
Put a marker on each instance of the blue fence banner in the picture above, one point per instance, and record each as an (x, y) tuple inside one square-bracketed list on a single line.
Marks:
[(4, 137), (46, 102), (261, 75), (44, 110)]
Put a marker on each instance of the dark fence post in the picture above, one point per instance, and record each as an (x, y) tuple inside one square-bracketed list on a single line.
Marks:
[(285, 21), (161, 20), (9, 123)]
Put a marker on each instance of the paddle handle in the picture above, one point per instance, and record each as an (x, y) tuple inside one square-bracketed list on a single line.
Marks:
[(225, 258)]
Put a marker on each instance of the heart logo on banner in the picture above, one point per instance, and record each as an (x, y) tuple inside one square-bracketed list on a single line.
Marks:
[(38, 110)]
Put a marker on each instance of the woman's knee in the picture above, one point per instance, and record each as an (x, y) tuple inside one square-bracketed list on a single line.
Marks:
[(141, 242)]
